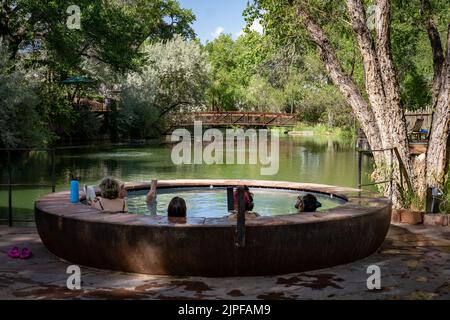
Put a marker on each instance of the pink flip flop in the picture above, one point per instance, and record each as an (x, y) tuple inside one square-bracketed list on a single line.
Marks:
[(26, 253), (14, 253)]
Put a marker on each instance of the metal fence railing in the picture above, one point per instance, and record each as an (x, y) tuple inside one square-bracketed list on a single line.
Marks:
[(11, 184), (393, 153)]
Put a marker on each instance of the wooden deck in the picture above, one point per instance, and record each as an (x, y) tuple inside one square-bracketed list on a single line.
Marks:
[(417, 148)]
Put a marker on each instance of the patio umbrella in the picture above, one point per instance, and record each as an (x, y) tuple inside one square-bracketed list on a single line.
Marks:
[(77, 81)]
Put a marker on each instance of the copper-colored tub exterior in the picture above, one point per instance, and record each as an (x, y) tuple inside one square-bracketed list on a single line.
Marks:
[(206, 246)]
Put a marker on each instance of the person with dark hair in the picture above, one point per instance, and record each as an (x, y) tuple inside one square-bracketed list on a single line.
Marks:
[(307, 203), (249, 205), (248, 198), (177, 208)]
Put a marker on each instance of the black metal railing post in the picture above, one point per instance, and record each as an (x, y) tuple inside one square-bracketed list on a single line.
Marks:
[(359, 169), (53, 172), (391, 184), (401, 179), (10, 219), (230, 199), (240, 226), (393, 152)]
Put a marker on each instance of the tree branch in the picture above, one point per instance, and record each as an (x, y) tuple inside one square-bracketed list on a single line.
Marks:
[(373, 79), (436, 45), (345, 84), (165, 111), (170, 108)]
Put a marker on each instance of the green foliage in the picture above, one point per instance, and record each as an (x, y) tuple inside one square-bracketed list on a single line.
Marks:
[(111, 31), (228, 75), (262, 96), (410, 200), (55, 109), (277, 71), (107, 46), (176, 75), (445, 199), (324, 130), (248, 74), (86, 125), (20, 125), (410, 44), (415, 91)]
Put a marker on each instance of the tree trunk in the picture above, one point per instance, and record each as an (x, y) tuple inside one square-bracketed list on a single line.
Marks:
[(382, 86), (372, 73), (395, 111), (341, 80), (383, 119), (437, 156)]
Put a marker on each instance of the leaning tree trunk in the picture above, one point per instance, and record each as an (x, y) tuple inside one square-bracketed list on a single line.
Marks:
[(345, 83)]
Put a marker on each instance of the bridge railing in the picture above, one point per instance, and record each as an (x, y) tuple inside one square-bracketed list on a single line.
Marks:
[(236, 118)]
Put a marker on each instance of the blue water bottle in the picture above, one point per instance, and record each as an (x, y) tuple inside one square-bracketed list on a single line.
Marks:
[(74, 190)]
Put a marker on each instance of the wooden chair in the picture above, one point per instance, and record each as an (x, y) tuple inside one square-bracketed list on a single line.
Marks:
[(416, 131)]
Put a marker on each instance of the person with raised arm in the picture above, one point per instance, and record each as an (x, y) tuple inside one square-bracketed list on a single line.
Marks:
[(151, 197)]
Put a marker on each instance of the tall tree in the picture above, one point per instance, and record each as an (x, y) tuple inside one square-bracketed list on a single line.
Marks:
[(20, 125), (378, 107), (174, 77), (106, 45), (111, 31)]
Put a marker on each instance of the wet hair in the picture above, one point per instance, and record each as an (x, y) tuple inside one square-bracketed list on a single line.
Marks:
[(310, 203), (110, 188), (177, 208), (241, 188), (248, 199)]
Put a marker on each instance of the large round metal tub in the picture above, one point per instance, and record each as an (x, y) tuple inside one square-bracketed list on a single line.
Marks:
[(206, 246)]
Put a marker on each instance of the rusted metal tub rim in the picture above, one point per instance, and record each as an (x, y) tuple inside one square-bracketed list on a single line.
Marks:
[(358, 204)]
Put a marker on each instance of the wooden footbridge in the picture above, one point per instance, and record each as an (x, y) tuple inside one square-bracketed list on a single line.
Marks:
[(235, 118), (215, 118)]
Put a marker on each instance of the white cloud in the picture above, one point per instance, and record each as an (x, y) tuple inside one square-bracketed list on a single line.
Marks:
[(238, 34), (217, 31), (256, 26)]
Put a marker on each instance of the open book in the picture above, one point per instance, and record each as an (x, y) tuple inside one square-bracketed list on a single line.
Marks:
[(90, 193)]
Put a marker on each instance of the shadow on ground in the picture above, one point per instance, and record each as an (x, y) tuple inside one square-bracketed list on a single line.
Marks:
[(414, 263)]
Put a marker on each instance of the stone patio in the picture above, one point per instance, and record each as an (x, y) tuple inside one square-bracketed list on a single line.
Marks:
[(414, 262)]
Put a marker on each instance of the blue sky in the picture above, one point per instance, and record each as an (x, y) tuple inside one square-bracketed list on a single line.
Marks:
[(217, 16)]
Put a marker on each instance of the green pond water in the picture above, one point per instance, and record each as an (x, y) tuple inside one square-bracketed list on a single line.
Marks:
[(318, 159)]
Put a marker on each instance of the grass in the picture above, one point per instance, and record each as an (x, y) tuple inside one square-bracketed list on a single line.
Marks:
[(324, 130), (445, 200)]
